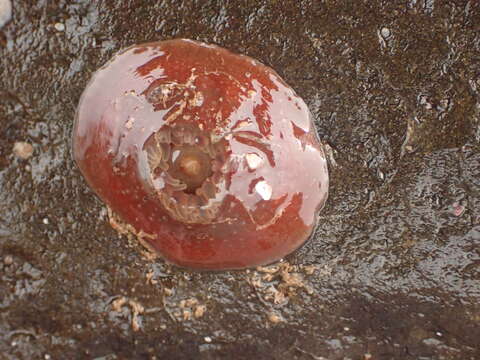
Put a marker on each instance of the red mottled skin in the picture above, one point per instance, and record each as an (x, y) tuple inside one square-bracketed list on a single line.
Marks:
[(267, 170)]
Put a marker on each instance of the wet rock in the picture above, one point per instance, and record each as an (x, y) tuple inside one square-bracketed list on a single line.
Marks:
[(5, 12)]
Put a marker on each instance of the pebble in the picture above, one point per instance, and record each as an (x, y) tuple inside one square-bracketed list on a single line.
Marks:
[(385, 32), (22, 150), (5, 12), (59, 26), (8, 260), (274, 318)]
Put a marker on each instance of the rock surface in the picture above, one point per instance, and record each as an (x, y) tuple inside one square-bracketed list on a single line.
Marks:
[(393, 270)]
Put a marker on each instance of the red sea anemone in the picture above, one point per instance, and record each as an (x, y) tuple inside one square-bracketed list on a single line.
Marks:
[(208, 154)]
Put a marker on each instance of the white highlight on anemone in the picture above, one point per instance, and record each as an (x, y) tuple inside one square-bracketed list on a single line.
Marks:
[(253, 161), (264, 190)]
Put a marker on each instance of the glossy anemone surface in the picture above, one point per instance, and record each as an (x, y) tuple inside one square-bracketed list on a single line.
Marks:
[(208, 154)]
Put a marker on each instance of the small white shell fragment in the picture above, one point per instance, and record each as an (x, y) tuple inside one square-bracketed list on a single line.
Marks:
[(22, 150), (253, 161), (264, 190), (59, 26), (385, 32), (5, 12)]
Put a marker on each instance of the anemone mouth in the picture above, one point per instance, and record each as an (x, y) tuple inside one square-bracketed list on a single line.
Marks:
[(186, 172)]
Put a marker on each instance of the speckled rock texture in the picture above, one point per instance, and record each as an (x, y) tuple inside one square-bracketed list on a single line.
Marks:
[(393, 270)]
